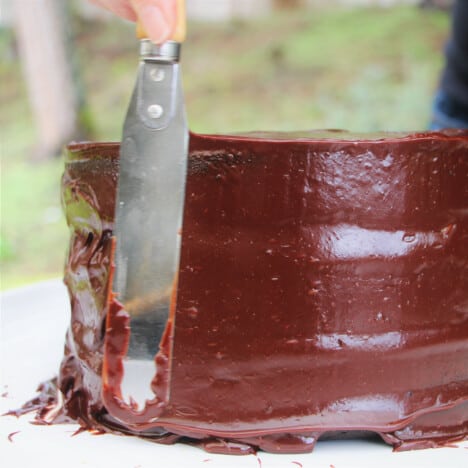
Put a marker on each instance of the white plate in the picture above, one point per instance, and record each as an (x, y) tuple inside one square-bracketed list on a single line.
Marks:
[(34, 320)]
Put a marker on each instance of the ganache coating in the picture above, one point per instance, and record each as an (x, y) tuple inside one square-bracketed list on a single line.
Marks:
[(323, 287)]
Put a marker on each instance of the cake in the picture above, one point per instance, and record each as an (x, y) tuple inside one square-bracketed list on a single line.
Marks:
[(323, 290)]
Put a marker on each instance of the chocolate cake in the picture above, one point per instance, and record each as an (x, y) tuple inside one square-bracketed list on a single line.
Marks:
[(323, 289)]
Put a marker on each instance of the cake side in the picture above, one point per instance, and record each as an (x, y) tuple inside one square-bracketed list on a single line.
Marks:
[(322, 288)]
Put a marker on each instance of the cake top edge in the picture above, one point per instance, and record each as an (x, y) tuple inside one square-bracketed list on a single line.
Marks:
[(298, 137), (338, 135)]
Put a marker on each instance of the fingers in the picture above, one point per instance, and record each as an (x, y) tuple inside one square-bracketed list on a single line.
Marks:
[(121, 8), (158, 17)]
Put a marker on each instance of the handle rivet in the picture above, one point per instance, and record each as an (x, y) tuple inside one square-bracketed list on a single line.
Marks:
[(157, 74), (155, 111)]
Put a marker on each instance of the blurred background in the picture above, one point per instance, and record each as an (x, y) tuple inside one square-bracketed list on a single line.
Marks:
[(68, 69)]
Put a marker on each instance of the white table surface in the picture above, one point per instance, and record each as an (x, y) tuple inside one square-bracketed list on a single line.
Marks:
[(33, 324)]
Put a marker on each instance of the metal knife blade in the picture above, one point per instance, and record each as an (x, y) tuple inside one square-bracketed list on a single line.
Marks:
[(149, 207)]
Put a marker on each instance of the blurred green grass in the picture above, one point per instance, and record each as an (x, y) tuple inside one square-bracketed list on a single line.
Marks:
[(363, 69)]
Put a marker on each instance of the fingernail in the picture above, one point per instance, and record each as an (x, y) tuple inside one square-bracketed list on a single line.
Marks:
[(155, 24)]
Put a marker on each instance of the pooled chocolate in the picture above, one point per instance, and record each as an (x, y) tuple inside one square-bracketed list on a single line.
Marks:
[(323, 288)]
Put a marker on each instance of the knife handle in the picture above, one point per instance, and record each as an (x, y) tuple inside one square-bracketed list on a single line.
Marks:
[(180, 30)]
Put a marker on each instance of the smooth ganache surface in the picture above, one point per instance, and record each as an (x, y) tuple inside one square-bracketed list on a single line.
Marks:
[(323, 288)]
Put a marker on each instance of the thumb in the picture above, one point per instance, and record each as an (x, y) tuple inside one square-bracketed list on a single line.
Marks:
[(157, 17)]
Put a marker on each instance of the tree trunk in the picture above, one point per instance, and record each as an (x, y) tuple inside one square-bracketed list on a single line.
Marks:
[(42, 39)]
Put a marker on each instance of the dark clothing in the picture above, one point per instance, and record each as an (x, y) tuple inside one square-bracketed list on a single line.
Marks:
[(455, 77), (451, 103)]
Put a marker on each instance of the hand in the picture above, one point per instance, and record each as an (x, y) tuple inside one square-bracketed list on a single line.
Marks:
[(158, 17)]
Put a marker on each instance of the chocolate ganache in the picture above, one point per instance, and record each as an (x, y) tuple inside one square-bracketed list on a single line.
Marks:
[(323, 288)]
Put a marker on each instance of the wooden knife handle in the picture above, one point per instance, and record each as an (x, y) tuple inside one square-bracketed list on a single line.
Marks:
[(180, 30)]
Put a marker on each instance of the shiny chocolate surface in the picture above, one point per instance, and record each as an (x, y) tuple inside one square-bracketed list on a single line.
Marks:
[(323, 288)]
